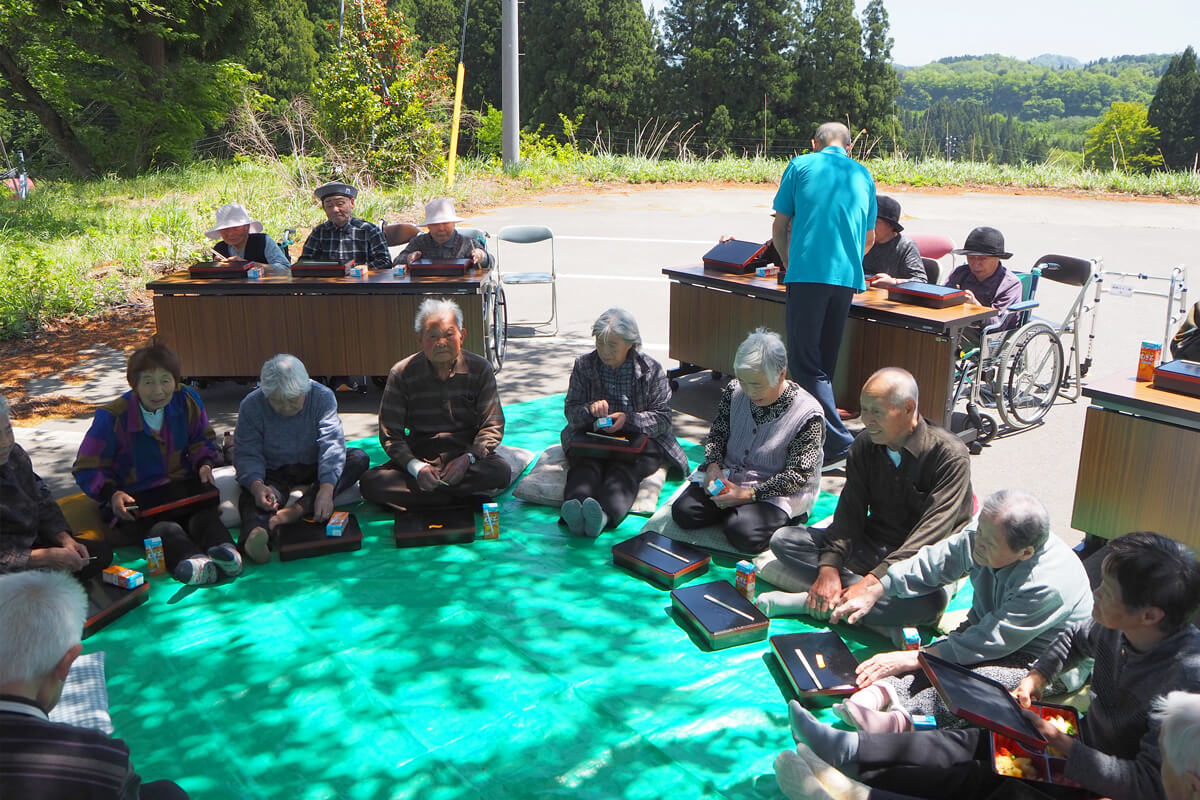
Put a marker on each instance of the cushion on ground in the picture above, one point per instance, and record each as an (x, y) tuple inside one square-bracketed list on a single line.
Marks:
[(83, 515), (84, 700), (547, 480)]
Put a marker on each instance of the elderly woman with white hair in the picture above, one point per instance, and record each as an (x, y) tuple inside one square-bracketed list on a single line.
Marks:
[(34, 534), (288, 437), (1179, 714), (765, 446), (618, 381)]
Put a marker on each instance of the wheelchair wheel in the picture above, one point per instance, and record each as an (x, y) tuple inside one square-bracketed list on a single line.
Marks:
[(1029, 375), (495, 325)]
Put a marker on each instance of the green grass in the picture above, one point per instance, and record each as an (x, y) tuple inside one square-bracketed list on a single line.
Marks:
[(77, 247)]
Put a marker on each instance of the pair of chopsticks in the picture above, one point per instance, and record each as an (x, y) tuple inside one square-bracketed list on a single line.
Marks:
[(668, 552), (728, 607)]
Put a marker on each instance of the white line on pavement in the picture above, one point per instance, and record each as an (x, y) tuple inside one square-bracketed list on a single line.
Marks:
[(655, 279), (633, 239)]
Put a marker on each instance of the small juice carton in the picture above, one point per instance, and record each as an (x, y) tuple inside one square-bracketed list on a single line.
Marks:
[(912, 638), (769, 271), (399, 271), (924, 722), (604, 422), (337, 523), (123, 576), (716, 487), (491, 521), (744, 582), (254, 272), (359, 271), (156, 562), (1147, 358)]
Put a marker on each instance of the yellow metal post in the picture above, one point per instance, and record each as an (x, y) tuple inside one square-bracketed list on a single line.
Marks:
[(458, 90)]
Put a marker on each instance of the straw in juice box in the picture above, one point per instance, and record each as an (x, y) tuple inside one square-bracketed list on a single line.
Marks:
[(491, 521)]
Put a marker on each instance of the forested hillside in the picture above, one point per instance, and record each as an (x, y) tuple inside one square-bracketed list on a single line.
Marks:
[(120, 86)]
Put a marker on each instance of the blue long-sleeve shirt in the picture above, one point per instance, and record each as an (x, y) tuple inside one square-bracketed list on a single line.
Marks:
[(267, 440)]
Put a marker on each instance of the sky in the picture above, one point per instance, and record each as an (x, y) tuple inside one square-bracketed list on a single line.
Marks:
[(926, 30)]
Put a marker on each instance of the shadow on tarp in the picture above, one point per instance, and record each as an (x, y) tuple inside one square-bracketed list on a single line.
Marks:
[(525, 666)]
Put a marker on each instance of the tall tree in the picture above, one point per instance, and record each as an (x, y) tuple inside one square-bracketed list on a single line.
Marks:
[(1172, 109), (586, 57), (1123, 140), (829, 69), (698, 44), (880, 82), (120, 84), (283, 51), (762, 79)]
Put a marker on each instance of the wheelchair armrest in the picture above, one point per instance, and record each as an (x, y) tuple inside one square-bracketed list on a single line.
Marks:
[(1021, 306)]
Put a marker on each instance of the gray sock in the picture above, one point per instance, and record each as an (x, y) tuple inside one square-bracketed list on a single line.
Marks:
[(594, 518), (834, 746), (572, 514)]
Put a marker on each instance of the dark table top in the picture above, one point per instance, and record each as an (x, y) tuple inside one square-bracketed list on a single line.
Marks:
[(380, 282), (873, 303)]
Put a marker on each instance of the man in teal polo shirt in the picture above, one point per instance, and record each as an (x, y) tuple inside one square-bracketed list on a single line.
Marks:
[(824, 225)]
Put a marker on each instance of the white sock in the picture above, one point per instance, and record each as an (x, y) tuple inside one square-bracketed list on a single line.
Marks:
[(782, 604), (796, 780), (836, 783)]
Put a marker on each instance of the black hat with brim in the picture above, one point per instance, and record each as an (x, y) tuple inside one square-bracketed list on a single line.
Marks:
[(335, 188), (889, 209), (984, 241)]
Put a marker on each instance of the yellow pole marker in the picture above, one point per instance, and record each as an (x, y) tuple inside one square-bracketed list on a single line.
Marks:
[(458, 90)]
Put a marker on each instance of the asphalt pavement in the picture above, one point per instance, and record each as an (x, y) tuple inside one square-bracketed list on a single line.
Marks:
[(612, 243)]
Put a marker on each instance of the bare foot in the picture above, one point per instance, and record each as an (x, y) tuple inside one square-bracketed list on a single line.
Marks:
[(286, 516)]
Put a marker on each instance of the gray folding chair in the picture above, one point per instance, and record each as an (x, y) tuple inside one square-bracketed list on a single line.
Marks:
[(529, 234)]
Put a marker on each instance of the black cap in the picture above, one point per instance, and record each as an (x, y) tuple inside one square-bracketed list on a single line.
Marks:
[(889, 209), (984, 241), (335, 188)]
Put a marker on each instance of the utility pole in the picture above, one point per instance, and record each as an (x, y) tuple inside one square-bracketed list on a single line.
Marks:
[(510, 95)]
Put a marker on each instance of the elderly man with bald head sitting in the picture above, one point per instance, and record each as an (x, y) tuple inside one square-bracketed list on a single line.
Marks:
[(440, 421), (908, 484)]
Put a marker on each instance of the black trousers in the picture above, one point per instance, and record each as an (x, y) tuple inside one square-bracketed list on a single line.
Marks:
[(285, 479), (183, 536), (610, 482), (949, 764), (391, 485), (747, 527)]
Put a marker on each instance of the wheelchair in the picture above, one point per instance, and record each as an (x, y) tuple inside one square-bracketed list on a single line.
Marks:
[(1020, 372)]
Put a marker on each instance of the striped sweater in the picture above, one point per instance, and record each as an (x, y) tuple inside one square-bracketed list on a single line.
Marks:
[(43, 760), (120, 452)]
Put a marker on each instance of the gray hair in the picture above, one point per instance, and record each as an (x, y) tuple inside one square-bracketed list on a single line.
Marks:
[(762, 351), (1179, 714), (902, 386), (833, 133), (284, 375), (618, 322), (41, 618), (4, 410), (1025, 521), (434, 307)]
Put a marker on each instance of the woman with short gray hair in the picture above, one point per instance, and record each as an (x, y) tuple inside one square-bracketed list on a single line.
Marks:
[(763, 453), (615, 390), (289, 437)]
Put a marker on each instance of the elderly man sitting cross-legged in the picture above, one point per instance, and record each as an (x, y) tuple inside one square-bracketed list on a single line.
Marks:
[(289, 436), (41, 620), (440, 421), (908, 484)]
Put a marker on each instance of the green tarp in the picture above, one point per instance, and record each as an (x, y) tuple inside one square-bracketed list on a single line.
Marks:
[(518, 668)]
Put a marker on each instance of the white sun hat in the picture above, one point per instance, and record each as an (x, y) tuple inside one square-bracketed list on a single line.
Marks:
[(231, 216), (438, 210)]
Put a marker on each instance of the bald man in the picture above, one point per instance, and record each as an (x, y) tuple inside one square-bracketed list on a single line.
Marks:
[(908, 484)]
